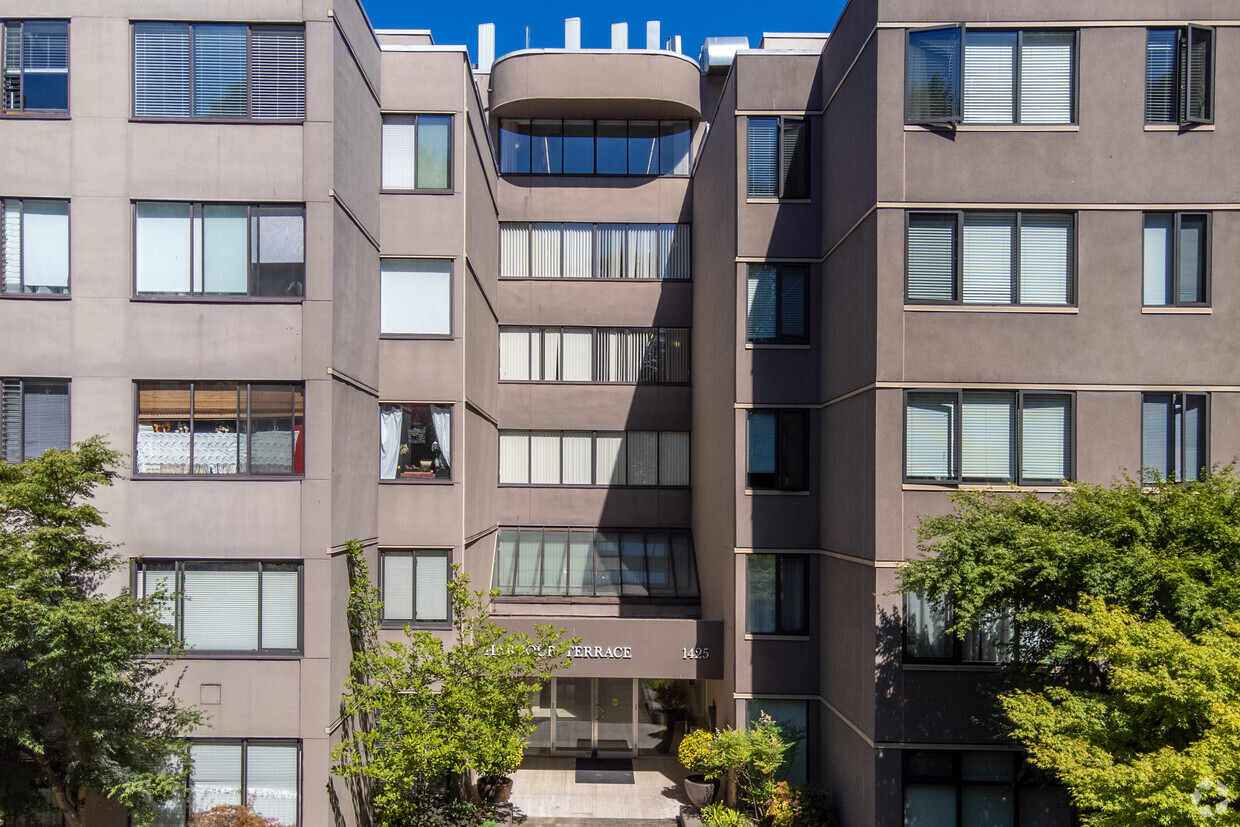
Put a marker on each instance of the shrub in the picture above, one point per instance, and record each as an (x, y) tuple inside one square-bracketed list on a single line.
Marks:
[(231, 815), (804, 806), (699, 753), (719, 815)]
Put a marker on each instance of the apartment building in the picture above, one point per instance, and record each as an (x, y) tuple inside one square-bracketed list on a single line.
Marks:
[(671, 352)]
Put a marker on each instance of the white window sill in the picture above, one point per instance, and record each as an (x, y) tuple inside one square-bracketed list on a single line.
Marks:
[(999, 127), (753, 199), (955, 486), (991, 308), (1155, 310), (760, 346), (773, 492), (1175, 127), (796, 638)]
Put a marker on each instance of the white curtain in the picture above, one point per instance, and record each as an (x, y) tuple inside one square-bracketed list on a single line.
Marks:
[(441, 418), (390, 417)]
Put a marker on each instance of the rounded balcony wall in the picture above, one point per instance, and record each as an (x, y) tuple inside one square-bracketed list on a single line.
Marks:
[(602, 83)]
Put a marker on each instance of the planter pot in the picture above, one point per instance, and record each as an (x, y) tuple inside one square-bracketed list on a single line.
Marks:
[(700, 791), (495, 790)]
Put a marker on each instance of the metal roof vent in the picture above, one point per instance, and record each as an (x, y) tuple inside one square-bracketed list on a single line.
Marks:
[(719, 52)]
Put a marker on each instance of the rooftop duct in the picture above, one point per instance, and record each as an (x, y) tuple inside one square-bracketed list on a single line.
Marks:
[(719, 52)]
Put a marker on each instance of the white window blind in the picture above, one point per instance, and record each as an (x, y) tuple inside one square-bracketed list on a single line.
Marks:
[(1191, 259), (578, 346), (415, 296), (277, 72), (514, 248), (221, 607), (673, 458), (35, 247), (986, 435), (1046, 246), (989, 76), (578, 251), (164, 246), (611, 243), (930, 436), (763, 156), (674, 249), (611, 460), (643, 251), (219, 70), (931, 257), (11, 245), (514, 457), (986, 264), (216, 778), (280, 593), (153, 581), (399, 135), (161, 70), (1046, 77), (432, 586), (398, 585), (271, 780), (514, 354), (221, 238), (1159, 267), (1046, 438), (576, 451), (760, 303), (1161, 49), (545, 251), (544, 458)]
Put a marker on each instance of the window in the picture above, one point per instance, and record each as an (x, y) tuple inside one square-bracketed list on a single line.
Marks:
[(34, 246), (1023, 437), (415, 585), (775, 590), (643, 355), (778, 158), (791, 717), (611, 458), (34, 416), (415, 297), (984, 76), (580, 147), (417, 152), (219, 250), (551, 250), (261, 773), (219, 71), (1175, 429), (1177, 259), (415, 442), (777, 304), (777, 451), (927, 639), (960, 788), (1179, 75), (595, 563), (204, 428), (228, 606), (991, 258), (34, 55)]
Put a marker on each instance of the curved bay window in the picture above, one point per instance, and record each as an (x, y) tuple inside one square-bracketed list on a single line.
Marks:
[(415, 442)]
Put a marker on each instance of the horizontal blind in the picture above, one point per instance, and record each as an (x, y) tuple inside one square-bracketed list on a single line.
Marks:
[(45, 47), (793, 293), (1046, 438), (1158, 435), (431, 603), (45, 416), (1191, 254), (1158, 270), (545, 251), (674, 247), (1160, 70), (932, 75), (216, 778), (11, 244), (576, 451), (930, 436), (989, 76), (221, 607), (986, 266), (151, 581), (399, 133), (763, 156), (760, 303), (271, 781), (281, 587), (398, 584), (161, 70), (1046, 246), (514, 249), (578, 251), (434, 151), (219, 70), (1046, 77), (1196, 460), (673, 458), (11, 421), (931, 258), (277, 72), (514, 457), (986, 435), (1198, 91)]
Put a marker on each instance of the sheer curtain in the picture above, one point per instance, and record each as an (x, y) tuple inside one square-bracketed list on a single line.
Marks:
[(441, 418), (389, 440)]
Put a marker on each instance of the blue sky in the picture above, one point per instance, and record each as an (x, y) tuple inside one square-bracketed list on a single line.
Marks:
[(456, 22)]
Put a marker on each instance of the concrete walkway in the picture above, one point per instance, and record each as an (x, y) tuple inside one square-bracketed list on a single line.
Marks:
[(545, 791)]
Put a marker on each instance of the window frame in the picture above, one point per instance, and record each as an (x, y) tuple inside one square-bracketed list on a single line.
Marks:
[(783, 480), (594, 469), (957, 299), (254, 211), (1182, 77), (448, 189), (594, 137), (781, 338), (1207, 263), (452, 445), (386, 622), (956, 118), (957, 641), (22, 293), (1021, 778), (48, 114), (777, 598), (22, 380), (1180, 399), (245, 743), (660, 369), (1015, 434), (782, 179), (595, 252), (451, 334), (137, 567), (249, 117)]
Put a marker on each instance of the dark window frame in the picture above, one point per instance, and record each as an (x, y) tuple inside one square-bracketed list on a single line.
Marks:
[(1207, 259), (777, 598), (451, 334), (595, 267), (958, 654), (245, 744), (1023, 777), (956, 118), (1179, 400), (780, 337), (504, 160), (1182, 79), (387, 622), (783, 171), (452, 447), (22, 293), (594, 434), (22, 111), (957, 299), (21, 391), (417, 136), (138, 566), (783, 478), (1016, 436), (659, 369)]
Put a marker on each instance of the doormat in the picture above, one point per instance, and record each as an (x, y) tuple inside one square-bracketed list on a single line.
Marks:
[(604, 771)]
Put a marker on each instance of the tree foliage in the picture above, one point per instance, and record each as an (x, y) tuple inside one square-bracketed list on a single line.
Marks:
[(1123, 670), (426, 709), (83, 707)]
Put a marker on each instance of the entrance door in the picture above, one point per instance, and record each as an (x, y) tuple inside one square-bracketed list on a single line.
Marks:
[(615, 716), (594, 716)]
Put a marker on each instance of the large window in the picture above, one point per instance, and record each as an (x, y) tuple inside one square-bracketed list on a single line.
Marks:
[(1023, 437), (1177, 259), (34, 60), (961, 788), (415, 442), (595, 563), (777, 304), (417, 152), (777, 450), (643, 355), (415, 585), (775, 591), (219, 250), (415, 297), (927, 639), (791, 717), (218, 71), (264, 774), (228, 606), (552, 250), (611, 458), (220, 428), (779, 152), (1179, 75), (34, 416), (991, 258), (986, 76), (34, 246), (579, 147), (1175, 431)]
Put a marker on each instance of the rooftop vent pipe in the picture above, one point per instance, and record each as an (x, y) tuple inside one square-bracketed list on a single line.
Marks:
[(718, 53), (572, 33), (486, 47)]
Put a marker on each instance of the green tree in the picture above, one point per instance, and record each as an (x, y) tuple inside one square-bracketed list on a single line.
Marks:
[(424, 709), (1089, 578), (84, 708)]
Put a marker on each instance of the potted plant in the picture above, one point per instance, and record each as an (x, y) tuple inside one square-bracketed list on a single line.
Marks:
[(699, 754), (495, 759)]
